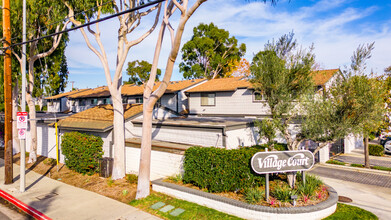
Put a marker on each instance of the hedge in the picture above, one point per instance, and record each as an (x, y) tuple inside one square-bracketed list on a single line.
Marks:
[(82, 152), (376, 150), (220, 170)]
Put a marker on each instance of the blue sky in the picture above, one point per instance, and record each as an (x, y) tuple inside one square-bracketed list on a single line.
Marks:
[(335, 27)]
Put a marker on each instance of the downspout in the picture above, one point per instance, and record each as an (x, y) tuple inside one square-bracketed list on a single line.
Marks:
[(177, 102), (224, 137)]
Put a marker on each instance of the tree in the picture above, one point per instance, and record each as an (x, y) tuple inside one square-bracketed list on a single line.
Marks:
[(128, 22), (241, 68), (43, 19), (353, 105), (283, 76), (150, 96), (139, 72), (210, 53)]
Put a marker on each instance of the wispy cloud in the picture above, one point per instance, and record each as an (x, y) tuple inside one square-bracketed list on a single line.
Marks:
[(336, 27)]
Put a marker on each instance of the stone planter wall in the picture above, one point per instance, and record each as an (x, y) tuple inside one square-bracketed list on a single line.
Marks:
[(248, 211)]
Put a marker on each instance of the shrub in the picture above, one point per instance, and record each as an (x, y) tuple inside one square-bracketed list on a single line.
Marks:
[(356, 165), (308, 189), (253, 195), (283, 193), (220, 170), (335, 162), (280, 147), (376, 150), (82, 152), (382, 168), (131, 178), (176, 178), (50, 161)]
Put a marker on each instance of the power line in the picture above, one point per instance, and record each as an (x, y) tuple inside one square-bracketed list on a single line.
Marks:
[(89, 23), (81, 12)]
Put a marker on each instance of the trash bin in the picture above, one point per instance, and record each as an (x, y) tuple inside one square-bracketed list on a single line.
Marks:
[(105, 166)]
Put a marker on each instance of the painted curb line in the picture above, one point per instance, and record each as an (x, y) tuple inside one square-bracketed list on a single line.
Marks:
[(28, 209)]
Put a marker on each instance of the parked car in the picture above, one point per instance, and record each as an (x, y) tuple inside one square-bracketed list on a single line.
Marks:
[(387, 147), (384, 140)]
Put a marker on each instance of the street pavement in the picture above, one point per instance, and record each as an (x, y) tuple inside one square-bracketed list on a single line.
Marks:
[(368, 188), (58, 200), (375, 199), (357, 175)]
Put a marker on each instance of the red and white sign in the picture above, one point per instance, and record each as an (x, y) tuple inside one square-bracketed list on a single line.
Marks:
[(22, 134), (21, 118)]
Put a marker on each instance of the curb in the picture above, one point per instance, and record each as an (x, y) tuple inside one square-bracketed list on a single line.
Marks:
[(361, 170), (28, 209), (330, 201)]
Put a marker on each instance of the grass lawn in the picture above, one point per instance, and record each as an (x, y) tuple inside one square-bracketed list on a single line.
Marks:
[(193, 211), (347, 212)]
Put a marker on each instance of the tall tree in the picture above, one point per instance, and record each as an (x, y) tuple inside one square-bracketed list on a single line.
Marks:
[(128, 22), (283, 75), (139, 72), (210, 53), (353, 105), (150, 97), (44, 17)]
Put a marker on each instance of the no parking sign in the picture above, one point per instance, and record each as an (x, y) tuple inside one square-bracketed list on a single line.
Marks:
[(21, 124), (22, 134), (21, 118)]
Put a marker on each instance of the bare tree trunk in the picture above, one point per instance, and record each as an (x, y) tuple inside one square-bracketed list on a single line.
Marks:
[(16, 143), (366, 152), (33, 129), (145, 154), (119, 134), (150, 97)]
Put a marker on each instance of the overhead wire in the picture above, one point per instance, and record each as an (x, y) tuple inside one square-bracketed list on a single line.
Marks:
[(66, 18), (88, 23)]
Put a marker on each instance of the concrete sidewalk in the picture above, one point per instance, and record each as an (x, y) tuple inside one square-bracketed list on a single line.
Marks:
[(58, 200)]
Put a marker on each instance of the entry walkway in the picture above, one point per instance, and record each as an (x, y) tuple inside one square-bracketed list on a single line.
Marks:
[(58, 200)]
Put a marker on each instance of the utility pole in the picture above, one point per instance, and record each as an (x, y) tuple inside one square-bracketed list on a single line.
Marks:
[(7, 93)]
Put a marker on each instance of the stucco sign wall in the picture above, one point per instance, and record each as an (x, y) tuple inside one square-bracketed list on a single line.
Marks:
[(282, 161)]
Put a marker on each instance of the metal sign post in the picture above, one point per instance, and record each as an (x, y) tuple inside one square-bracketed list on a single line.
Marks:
[(21, 124), (267, 183)]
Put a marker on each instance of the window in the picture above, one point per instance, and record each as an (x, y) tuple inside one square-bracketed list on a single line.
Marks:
[(124, 100), (208, 99), (82, 102), (258, 96), (94, 101), (107, 101), (139, 100)]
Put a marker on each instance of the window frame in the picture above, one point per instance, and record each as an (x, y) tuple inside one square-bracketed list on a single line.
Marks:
[(206, 95), (254, 96)]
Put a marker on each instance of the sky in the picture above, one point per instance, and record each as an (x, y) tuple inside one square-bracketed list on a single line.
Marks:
[(335, 27)]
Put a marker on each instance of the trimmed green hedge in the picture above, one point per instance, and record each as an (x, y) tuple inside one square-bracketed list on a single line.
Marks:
[(82, 152), (376, 150), (220, 170)]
